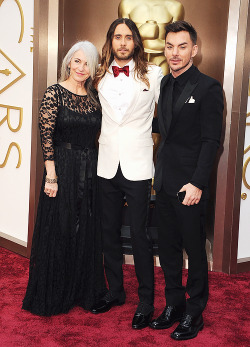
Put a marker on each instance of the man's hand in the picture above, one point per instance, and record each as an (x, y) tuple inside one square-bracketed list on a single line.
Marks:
[(193, 194)]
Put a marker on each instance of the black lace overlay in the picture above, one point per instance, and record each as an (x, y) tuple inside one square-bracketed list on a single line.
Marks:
[(70, 126), (66, 258)]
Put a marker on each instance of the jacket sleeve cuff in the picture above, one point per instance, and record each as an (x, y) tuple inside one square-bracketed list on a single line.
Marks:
[(197, 185)]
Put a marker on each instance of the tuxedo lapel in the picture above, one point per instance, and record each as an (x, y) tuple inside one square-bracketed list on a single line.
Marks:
[(185, 95), (136, 96), (109, 110), (160, 114)]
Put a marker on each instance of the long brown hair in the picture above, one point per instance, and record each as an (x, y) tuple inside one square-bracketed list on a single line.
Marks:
[(141, 64)]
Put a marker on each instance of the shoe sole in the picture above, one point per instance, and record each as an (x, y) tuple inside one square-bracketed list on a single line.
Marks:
[(189, 337)]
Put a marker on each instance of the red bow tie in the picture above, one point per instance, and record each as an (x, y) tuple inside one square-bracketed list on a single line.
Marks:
[(117, 70)]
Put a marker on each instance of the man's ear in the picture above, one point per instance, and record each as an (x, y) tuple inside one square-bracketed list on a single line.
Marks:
[(194, 50)]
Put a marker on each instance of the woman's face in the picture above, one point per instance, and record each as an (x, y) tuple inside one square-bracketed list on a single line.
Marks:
[(79, 69)]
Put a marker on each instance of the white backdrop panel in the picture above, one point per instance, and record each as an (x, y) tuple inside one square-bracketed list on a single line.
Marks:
[(17, 58), (244, 226)]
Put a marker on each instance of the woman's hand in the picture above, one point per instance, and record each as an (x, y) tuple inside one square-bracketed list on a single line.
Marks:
[(50, 189)]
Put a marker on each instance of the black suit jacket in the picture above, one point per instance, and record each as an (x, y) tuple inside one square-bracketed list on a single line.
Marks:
[(189, 140)]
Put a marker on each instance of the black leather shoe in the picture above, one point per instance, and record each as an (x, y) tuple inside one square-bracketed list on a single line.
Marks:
[(188, 327), (141, 320), (107, 302), (143, 316), (169, 316)]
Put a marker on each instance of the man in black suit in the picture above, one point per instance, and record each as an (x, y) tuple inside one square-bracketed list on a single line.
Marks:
[(189, 118)]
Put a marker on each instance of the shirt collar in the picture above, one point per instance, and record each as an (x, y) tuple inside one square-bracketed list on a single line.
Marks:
[(184, 77)]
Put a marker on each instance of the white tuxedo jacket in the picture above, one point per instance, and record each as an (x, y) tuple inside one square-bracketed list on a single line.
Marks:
[(129, 142)]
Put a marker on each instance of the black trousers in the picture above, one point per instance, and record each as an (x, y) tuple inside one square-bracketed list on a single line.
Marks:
[(137, 195), (181, 227)]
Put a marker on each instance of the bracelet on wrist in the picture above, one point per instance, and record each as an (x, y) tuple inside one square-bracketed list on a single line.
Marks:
[(50, 180)]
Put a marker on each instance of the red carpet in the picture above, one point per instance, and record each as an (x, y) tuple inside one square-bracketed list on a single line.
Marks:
[(226, 317)]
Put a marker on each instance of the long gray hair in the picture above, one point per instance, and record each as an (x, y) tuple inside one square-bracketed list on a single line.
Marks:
[(92, 56)]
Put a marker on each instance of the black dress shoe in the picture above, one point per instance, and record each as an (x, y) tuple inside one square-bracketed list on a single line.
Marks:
[(108, 301), (143, 316), (169, 316), (188, 327), (141, 320)]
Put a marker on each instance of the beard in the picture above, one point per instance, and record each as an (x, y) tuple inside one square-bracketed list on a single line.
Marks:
[(122, 56)]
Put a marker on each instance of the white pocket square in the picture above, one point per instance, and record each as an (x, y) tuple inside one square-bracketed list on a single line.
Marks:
[(191, 100)]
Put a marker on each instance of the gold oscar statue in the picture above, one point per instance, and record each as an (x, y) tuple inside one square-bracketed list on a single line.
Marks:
[(151, 17)]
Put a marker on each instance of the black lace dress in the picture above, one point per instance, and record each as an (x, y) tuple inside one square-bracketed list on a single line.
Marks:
[(66, 259)]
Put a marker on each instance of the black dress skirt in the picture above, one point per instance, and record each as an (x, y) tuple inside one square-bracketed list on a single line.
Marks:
[(66, 266)]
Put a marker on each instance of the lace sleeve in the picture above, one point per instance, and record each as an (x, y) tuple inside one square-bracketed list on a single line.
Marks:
[(47, 121)]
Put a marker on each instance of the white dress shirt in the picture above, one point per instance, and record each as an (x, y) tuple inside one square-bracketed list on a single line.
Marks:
[(119, 90)]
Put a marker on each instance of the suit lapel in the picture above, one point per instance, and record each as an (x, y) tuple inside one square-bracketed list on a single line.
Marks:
[(109, 110), (160, 107), (136, 96), (185, 95)]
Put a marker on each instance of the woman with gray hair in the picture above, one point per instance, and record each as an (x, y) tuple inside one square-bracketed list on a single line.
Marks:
[(66, 267)]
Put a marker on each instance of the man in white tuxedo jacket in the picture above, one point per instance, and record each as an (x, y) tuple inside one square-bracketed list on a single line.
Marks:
[(128, 89)]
